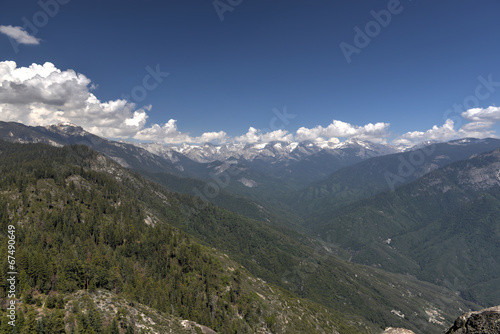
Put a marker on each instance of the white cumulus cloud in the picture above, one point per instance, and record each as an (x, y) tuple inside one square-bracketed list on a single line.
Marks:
[(377, 132), (481, 122), (487, 115), (436, 133), (257, 136), (480, 125), (169, 134), (19, 35), (44, 95), (207, 137)]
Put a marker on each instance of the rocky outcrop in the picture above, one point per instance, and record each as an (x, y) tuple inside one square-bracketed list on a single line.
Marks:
[(391, 330), (486, 321)]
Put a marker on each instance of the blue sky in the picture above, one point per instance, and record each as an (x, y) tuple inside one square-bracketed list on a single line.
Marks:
[(225, 76)]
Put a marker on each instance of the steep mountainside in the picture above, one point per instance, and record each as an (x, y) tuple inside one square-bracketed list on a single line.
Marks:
[(83, 222), (233, 176), (173, 170), (443, 228), (127, 155)]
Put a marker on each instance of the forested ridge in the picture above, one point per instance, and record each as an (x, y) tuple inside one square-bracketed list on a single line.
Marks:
[(443, 228), (81, 224)]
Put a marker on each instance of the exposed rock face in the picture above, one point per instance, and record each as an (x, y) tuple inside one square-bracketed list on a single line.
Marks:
[(391, 330), (486, 321)]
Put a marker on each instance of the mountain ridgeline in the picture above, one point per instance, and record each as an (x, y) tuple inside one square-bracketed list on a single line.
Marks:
[(274, 238), (373, 176)]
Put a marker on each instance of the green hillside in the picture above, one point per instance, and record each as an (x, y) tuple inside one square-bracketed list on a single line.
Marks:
[(443, 228), (82, 223)]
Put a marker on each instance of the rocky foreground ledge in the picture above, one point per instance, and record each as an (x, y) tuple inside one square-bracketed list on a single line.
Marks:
[(486, 321)]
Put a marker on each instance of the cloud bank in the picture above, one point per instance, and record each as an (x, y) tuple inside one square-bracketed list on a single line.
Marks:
[(44, 95)]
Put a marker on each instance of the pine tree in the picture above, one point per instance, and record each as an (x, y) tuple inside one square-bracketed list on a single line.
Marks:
[(30, 324), (20, 321), (5, 328), (55, 323), (94, 319), (83, 326), (41, 326), (130, 329), (113, 327)]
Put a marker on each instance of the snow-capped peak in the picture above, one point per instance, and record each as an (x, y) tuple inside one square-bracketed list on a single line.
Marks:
[(67, 128), (276, 151)]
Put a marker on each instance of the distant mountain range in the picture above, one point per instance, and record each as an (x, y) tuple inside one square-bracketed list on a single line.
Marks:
[(301, 163), (273, 151), (264, 169), (311, 178), (382, 173), (274, 158)]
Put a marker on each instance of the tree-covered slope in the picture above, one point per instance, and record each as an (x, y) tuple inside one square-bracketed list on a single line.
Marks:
[(222, 195), (443, 228), (83, 223)]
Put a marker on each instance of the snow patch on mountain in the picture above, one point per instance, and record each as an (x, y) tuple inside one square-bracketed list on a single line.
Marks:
[(272, 151), (247, 182), (68, 129)]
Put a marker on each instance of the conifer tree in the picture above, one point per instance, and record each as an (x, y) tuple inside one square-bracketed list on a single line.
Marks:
[(30, 323), (55, 323), (113, 327)]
